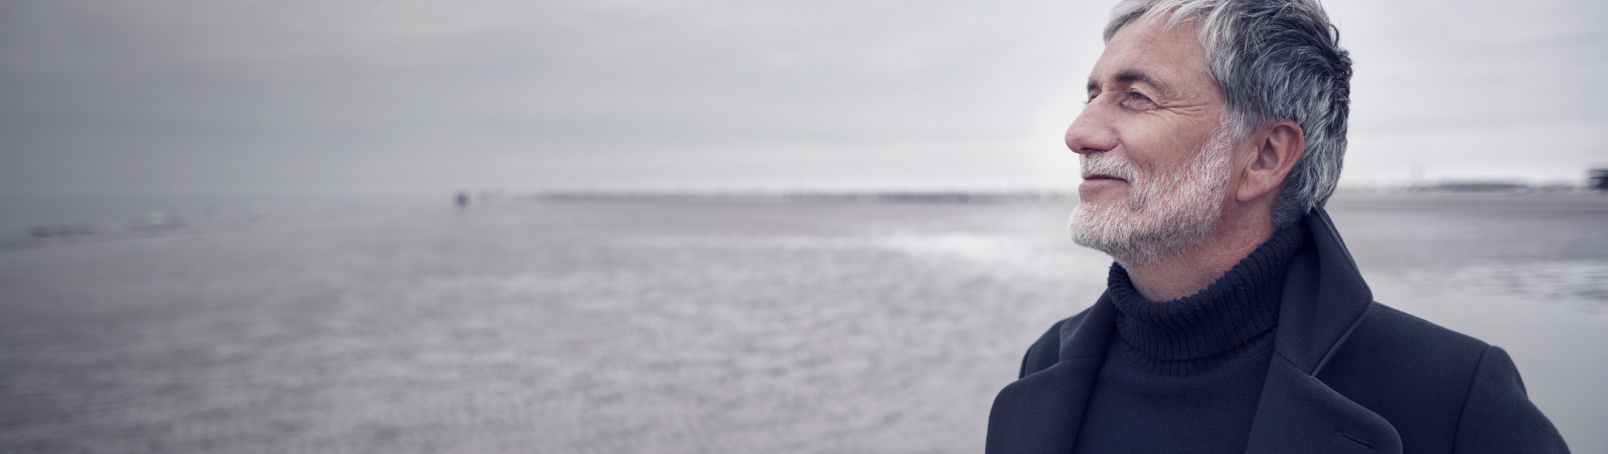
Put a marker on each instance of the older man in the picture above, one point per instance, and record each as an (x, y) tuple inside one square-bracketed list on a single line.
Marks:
[(1234, 318)]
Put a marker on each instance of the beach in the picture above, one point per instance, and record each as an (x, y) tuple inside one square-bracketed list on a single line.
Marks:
[(677, 324)]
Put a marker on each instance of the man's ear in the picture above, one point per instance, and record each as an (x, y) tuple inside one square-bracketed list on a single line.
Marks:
[(1281, 144)]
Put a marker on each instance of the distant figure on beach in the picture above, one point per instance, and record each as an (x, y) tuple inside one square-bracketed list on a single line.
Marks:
[(1234, 319), (462, 199)]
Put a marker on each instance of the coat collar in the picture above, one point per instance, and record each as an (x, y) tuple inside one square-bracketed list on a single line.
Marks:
[(1324, 299)]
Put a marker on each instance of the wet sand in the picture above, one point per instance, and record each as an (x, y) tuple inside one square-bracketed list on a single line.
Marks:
[(675, 325)]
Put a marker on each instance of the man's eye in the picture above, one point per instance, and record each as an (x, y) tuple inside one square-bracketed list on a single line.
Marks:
[(1134, 99)]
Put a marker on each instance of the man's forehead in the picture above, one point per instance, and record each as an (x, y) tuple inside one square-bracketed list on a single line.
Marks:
[(1149, 52)]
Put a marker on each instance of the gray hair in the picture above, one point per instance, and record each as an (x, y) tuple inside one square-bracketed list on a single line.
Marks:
[(1273, 60)]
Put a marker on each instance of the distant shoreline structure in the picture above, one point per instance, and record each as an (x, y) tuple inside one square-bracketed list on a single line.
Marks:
[(1490, 185), (1453, 188), (1500, 185), (1596, 180), (899, 196), (98, 223)]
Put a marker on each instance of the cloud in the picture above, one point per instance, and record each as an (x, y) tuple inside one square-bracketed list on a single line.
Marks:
[(171, 96)]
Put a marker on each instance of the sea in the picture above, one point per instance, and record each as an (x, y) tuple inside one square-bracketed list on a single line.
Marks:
[(826, 323)]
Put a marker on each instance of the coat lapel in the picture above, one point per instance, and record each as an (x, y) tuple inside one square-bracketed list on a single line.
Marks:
[(1298, 413), (1324, 299), (1041, 412)]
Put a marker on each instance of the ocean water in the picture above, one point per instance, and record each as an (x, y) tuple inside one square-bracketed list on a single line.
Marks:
[(27, 216), (675, 325)]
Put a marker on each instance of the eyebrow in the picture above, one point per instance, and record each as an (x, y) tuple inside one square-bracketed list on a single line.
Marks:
[(1129, 77)]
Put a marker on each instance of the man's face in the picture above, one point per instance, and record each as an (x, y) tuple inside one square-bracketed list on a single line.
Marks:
[(1155, 159)]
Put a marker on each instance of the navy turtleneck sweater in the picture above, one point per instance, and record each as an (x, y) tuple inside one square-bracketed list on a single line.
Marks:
[(1185, 375)]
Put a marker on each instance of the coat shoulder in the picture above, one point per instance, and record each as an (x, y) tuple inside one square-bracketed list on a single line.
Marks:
[(1392, 361), (1411, 339), (1428, 381), (1046, 351)]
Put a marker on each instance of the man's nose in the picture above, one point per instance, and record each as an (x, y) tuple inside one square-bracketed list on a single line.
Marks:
[(1091, 131)]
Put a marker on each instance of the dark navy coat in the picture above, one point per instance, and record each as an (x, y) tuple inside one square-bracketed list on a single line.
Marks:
[(1347, 375)]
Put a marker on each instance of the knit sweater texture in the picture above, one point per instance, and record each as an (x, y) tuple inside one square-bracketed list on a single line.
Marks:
[(1185, 375)]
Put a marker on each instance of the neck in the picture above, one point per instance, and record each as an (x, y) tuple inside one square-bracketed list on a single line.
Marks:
[(1187, 272)]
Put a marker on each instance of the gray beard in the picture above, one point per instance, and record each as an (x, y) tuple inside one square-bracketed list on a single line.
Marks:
[(1172, 213)]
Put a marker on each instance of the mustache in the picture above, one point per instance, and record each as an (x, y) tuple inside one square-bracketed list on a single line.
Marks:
[(1107, 165)]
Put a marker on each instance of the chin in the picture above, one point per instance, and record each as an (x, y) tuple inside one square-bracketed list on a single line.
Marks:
[(1150, 231), (1109, 228)]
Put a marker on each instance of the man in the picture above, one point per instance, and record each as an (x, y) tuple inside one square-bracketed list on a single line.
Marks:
[(1235, 319)]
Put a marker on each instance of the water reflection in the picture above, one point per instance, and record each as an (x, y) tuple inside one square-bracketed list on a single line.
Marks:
[(676, 325)]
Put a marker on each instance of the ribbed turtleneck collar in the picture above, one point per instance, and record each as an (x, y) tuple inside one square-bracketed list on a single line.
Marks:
[(1196, 333)]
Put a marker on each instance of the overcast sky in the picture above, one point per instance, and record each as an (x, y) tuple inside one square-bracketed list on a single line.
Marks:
[(168, 97)]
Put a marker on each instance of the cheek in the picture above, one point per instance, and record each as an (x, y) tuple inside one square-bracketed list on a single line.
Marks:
[(1147, 152), (1162, 147)]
